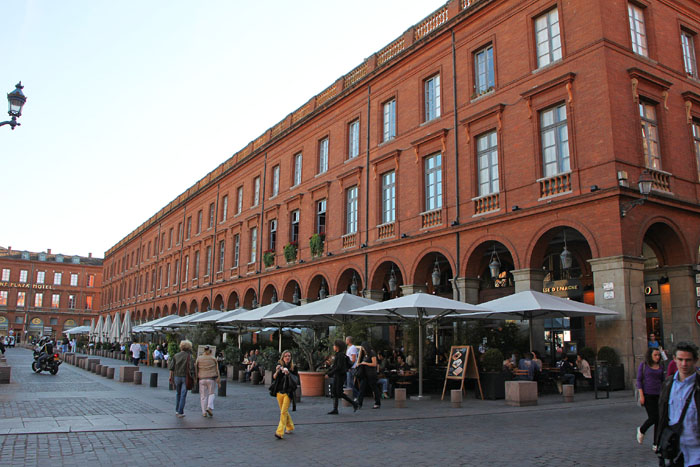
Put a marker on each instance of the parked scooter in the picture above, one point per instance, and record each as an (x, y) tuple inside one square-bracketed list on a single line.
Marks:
[(44, 358)]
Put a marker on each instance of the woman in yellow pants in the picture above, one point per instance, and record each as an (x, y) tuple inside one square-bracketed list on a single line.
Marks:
[(286, 381)]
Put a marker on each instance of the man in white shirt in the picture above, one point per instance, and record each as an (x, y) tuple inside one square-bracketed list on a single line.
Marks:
[(351, 352), (135, 350)]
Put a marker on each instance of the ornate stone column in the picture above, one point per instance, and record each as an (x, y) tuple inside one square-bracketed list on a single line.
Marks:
[(682, 325), (373, 294), (468, 289), (413, 288)]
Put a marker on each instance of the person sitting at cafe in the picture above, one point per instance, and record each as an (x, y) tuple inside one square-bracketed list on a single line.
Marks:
[(566, 370), (158, 356), (537, 361), (528, 365), (583, 367), (382, 367), (252, 364), (508, 365), (401, 365)]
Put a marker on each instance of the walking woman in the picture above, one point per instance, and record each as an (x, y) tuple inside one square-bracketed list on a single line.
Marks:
[(180, 366), (337, 371), (650, 376), (286, 380), (207, 372), (367, 370)]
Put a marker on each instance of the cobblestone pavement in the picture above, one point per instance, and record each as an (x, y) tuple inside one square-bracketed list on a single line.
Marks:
[(134, 425)]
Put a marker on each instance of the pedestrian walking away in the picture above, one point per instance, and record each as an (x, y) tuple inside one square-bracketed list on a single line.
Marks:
[(678, 411), (650, 377), (351, 352), (367, 374), (135, 350), (180, 366), (337, 371), (207, 373), (285, 382)]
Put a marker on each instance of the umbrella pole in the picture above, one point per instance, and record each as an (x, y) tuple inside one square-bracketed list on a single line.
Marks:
[(279, 339), (420, 358)]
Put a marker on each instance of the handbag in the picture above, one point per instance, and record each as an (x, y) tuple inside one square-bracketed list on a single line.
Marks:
[(189, 380), (670, 439)]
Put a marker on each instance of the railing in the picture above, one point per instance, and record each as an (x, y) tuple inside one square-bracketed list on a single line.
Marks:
[(555, 185), (355, 75), (386, 230), (390, 51), (486, 203), (431, 23), (661, 181), (329, 93), (464, 4), (349, 240), (431, 218), (301, 112)]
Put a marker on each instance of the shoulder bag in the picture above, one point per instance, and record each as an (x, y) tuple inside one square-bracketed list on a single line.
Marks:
[(670, 439), (189, 380)]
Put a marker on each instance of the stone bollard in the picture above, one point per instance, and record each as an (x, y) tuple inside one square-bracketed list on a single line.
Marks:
[(568, 392), (400, 398), (104, 370), (348, 392), (110, 373), (154, 380), (222, 388), (230, 372), (138, 377), (241, 376), (91, 364), (126, 373), (98, 369), (297, 395), (255, 377), (456, 398)]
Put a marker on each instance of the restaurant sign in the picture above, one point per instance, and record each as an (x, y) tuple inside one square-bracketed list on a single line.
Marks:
[(3, 323), (24, 285), (570, 288), (36, 324)]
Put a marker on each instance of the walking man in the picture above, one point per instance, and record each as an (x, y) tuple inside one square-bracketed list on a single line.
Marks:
[(135, 350), (351, 352), (680, 389)]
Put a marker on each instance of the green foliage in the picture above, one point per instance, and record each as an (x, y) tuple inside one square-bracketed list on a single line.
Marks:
[(316, 244), (588, 353), (507, 338), (269, 356), (232, 354), (357, 328), (173, 345), (609, 355), (201, 334), (492, 360), (268, 258), (290, 251), (311, 351)]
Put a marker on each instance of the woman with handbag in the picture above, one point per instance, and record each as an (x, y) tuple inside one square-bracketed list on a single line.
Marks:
[(207, 373), (650, 376), (285, 381), (367, 371), (181, 375), (337, 371)]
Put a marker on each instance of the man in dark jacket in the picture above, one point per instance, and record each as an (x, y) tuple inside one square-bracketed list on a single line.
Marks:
[(337, 371), (675, 391)]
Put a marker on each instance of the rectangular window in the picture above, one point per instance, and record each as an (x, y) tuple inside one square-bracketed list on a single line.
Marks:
[(91, 280), (40, 275), (19, 320), (294, 224), (236, 249), (548, 38), (432, 98), (74, 279), (200, 214), (196, 265), (354, 139), (211, 215), (21, 296), (487, 160), (689, 61), (188, 230), (23, 276), (224, 208), (555, 141), (71, 301), (239, 200), (351, 210), (273, 234), (389, 120), (55, 300), (88, 302), (253, 243), (162, 242), (160, 276), (696, 143), (179, 233), (256, 191), (323, 155), (167, 275), (433, 182), (222, 251), (6, 275), (3, 297), (38, 300), (637, 30), (148, 251), (186, 271), (275, 180), (57, 278), (208, 265), (170, 238), (484, 77), (176, 272), (321, 217), (650, 135), (389, 197), (297, 169)]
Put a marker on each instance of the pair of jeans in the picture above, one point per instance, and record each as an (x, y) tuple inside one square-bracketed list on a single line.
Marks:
[(651, 404), (385, 384), (207, 394), (180, 394), (283, 400), (135, 360)]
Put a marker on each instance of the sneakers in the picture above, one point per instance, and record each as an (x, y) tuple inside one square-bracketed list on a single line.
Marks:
[(205, 415), (210, 412), (653, 447), (333, 412), (179, 415), (375, 406), (640, 436)]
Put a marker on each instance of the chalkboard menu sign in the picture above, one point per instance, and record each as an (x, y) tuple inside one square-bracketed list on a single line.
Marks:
[(455, 367), (461, 365)]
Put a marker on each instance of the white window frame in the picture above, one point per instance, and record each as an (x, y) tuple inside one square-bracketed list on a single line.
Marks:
[(351, 210), (222, 255), (275, 180), (197, 256), (224, 208), (354, 139), (236, 249), (323, 155), (638, 33), (71, 301), (23, 275), (253, 244), (208, 265), (321, 213), (389, 197), (74, 279), (389, 120), (484, 70), (487, 162), (294, 217), (40, 277), (650, 134), (256, 190), (689, 60), (186, 274), (555, 140), (21, 299), (3, 297), (548, 38), (57, 278), (56, 300), (239, 200), (38, 300), (298, 160), (431, 89), (433, 182), (5, 275), (273, 234)]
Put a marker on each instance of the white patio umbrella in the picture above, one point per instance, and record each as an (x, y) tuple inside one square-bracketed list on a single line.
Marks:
[(422, 307), (335, 309), (229, 316), (267, 313), (126, 328), (98, 329), (150, 326), (210, 316), (115, 331), (91, 333), (106, 327), (77, 330)]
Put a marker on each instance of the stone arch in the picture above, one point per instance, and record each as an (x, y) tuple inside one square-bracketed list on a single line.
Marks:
[(183, 308), (314, 289), (473, 258), (541, 238), (232, 303), (205, 304), (423, 271), (193, 306), (219, 303), (250, 299), (380, 277), (666, 239), (345, 281), (289, 289), (478, 266), (166, 311), (547, 249), (269, 295), (158, 311), (151, 317)]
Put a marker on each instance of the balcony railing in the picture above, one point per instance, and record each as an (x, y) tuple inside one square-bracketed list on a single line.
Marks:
[(431, 218), (350, 240), (387, 230), (431, 23), (555, 185), (661, 181), (486, 203)]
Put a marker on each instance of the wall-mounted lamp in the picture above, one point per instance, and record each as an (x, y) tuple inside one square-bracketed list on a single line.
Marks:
[(404, 235), (594, 188), (455, 223), (329, 254), (645, 183), (494, 264), (515, 208), (353, 286), (392, 280), (435, 276)]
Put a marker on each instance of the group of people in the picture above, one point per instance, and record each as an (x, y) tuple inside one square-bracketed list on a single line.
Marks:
[(204, 371), (670, 395), (530, 366)]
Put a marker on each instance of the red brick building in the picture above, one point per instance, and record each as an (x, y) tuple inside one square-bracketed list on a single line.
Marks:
[(496, 133), (44, 293)]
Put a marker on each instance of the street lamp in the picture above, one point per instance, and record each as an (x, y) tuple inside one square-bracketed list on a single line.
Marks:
[(494, 264), (16, 100), (645, 183), (353, 286), (392, 280), (295, 296), (435, 276), (322, 293), (565, 256)]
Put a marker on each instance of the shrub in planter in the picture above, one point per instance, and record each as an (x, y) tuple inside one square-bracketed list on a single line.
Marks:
[(316, 244), (493, 380), (290, 252), (492, 361), (268, 258), (616, 371), (588, 353)]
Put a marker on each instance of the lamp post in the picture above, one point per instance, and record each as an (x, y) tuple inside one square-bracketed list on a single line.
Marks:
[(645, 183), (392, 280), (495, 264), (353, 286), (322, 293), (435, 276), (16, 100)]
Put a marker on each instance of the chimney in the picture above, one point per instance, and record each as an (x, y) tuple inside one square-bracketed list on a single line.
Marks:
[(48, 251), (89, 255)]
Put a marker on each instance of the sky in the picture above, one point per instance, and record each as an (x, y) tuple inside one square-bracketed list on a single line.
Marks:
[(130, 102)]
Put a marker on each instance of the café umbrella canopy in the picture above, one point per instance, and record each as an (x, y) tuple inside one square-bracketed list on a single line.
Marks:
[(336, 309), (126, 328), (116, 329), (98, 330), (266, 313), (91, 332), (423, 308), (106, 327)]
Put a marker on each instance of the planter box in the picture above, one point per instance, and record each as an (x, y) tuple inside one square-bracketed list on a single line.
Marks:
[(493, 385), (312, 383), (616, 375), (268, 378)]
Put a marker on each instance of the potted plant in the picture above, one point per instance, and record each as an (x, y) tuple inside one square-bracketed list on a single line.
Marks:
[(290, 252), (316, 244), (268, 359), (493, 379), (608, 357), (312, 381), (232, 358), (268, 258)]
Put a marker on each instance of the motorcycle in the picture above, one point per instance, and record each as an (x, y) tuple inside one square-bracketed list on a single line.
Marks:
[(45, 360)]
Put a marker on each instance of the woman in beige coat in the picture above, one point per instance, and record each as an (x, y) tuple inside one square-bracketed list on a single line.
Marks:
[(207, 372)]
